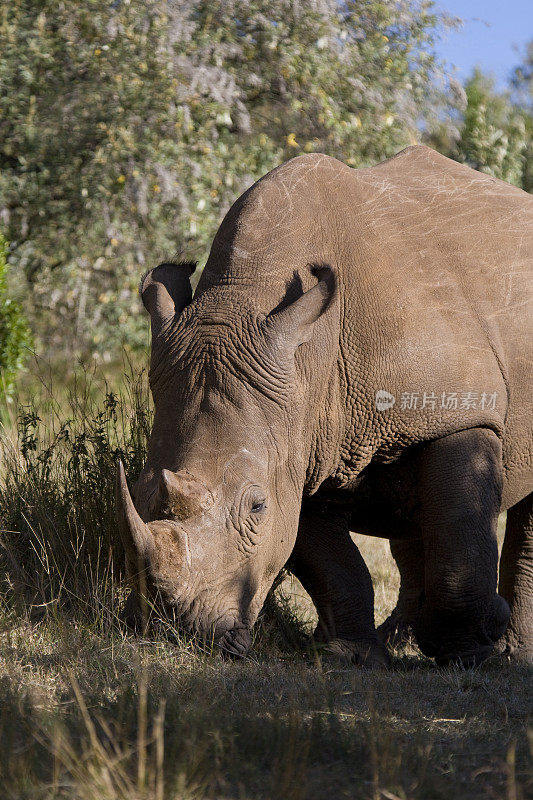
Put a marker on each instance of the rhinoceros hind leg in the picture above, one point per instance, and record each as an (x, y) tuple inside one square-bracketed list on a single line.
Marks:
[(516, 581), (460, 492)]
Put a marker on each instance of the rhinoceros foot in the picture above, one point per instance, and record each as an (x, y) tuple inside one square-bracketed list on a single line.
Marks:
[(369, 655), (396, 631), (508, 645)]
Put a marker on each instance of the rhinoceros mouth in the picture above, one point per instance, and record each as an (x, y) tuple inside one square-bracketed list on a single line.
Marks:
[(228, 634), (235, 642)]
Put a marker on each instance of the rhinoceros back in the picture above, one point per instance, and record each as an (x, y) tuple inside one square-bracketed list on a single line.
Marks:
[(434, 263)]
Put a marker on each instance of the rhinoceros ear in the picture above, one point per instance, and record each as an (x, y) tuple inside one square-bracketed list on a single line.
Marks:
[(293, 325), (165, 291)]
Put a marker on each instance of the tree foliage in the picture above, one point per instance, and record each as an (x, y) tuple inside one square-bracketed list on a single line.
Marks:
[(493, 135), (128, 128), (522, 86), (494, 131), (14, 331)]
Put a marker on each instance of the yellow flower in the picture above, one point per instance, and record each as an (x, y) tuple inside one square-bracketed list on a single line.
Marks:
[(156, 188), (291, 141), (97, 51), (121, 179), (114, 242)]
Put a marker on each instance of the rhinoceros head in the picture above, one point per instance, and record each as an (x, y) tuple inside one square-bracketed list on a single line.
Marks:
[(217, 504)]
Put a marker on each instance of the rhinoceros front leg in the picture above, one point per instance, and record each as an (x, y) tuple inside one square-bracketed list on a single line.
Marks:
[(333, 572), (398, 628), (460, 490), (516, 580)]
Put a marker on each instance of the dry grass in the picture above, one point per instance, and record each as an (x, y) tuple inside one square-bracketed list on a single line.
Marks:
[(89, 711)]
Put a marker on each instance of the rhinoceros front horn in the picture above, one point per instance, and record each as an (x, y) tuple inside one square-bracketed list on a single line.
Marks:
[(135, 534)]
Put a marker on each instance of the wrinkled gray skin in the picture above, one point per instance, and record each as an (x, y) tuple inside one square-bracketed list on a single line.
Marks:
[(324, 286)]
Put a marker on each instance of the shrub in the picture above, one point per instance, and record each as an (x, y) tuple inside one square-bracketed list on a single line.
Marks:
[(15, 336), (59, 539)]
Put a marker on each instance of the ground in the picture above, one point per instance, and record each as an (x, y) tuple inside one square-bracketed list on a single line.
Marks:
[(89, 711)]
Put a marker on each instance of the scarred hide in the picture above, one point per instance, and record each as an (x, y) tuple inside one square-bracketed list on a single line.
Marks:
[(356, 357)]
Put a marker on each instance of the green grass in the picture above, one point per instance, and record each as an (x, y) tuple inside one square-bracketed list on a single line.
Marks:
[(89, 711)]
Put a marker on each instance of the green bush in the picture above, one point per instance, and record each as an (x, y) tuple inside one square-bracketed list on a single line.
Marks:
[(493, 137), (128, 129), (59, 541), (15, 336)]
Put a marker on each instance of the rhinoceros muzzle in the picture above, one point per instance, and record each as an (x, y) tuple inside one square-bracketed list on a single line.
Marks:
[(230, 634), (235, 642)]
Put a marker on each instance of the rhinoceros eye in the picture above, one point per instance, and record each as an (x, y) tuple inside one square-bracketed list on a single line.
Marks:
[(253, 502)]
